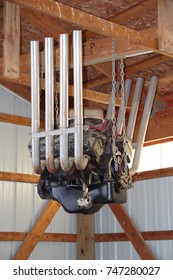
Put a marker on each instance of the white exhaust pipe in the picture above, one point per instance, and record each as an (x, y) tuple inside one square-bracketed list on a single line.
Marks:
[(81, 160), (134, 109), (65, 161), (35, 102), (144, 124), (49, 110), (123, 104)]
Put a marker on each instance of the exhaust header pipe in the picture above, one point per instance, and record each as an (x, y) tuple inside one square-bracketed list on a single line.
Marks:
[(51, 163)]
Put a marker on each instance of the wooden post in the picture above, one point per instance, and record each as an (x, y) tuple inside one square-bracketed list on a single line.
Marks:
[(85, 237), (165, 25), (11, 43)]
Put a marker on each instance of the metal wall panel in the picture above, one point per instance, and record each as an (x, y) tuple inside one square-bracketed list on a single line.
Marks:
[(20, 204), (151, 208)]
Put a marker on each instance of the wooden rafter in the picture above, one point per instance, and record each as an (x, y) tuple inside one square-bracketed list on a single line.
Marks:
[(37, 231), (93, 52), (90, 22), (128, 14), (46, 24), (132, 232), (131, 69)]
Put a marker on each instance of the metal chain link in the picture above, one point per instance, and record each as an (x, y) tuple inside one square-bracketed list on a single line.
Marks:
[(42, 72), (56, 103), (124, 119), (113, 118)]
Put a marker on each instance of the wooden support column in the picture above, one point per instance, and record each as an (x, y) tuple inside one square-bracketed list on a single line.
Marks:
[(165, 25), (132, 232), (85, 237), (37, 231), (11, 43)]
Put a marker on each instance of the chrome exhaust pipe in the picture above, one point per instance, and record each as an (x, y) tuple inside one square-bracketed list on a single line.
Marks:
[(121, 112), (81, 161), (66, 163), (144, 124), (49, 102), (134, 109), (35, 106)]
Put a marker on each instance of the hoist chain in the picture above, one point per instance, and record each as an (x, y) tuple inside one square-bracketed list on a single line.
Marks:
[(113, 118), (124, 112), (56, 102), (42, 73)]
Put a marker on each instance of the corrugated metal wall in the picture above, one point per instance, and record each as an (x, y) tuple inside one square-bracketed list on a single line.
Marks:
[(151, 208), (20, 204), (149, 202)]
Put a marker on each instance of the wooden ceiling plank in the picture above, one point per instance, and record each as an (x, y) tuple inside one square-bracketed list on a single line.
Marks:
[(11, 42), (90, 22), (45, 23), (165, 25), (132, 232), (134, 11), (37, 231)]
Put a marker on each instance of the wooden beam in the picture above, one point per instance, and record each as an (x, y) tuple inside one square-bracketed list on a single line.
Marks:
[(127, 15), (129, 70), (88, 94), (151, 174), (18, 177), (46, 237), (37, 231), (132, 232), (147, 235), (11, 42), (165, 25), (93, 52), (90, 22), (17, 87), (85, 237), (46, 24), (17, 120), (103, 237)]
